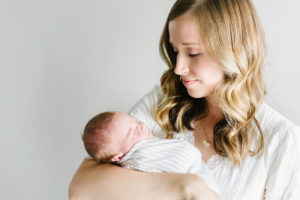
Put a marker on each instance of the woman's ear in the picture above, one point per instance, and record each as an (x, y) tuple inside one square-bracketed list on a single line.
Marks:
[(117, 157)]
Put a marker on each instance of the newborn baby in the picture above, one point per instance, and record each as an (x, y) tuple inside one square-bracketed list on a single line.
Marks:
[(119, 138)]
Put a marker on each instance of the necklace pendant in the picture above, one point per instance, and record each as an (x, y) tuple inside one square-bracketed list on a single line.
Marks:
[(206, 143)]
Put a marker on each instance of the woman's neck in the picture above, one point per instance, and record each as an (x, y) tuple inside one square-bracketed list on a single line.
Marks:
[(214, 114)]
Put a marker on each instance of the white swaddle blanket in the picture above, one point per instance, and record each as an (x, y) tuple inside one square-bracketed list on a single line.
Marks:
[(168, 155)]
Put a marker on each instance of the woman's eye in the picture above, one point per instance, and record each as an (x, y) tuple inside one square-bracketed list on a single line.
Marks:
[(194, 55)]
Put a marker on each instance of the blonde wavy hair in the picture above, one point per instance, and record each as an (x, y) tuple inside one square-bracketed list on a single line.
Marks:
[(234, 38)]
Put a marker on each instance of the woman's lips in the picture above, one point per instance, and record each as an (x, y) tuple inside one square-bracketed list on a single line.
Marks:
[(188, 82)]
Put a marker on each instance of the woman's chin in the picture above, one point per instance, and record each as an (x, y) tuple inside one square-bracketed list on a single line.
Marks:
[(195, 94)]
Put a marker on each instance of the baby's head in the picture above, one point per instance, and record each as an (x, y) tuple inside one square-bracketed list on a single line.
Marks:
[(108, 136)]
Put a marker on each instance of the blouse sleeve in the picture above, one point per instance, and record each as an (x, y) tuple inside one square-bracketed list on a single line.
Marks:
[(284, 178), (144, 109)]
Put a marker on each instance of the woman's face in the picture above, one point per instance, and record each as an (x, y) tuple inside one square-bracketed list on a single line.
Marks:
[(199, 73)]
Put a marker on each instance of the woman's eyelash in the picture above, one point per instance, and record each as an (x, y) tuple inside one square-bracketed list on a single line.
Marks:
[(194, 55), (190, 55)]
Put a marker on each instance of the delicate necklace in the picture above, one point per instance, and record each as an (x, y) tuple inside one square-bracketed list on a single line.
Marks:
[(205, 142)]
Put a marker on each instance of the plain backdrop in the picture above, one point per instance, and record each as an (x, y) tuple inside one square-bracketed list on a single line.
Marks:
[(63, 61)]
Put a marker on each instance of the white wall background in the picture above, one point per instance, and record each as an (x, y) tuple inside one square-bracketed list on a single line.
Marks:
[(63, 61)]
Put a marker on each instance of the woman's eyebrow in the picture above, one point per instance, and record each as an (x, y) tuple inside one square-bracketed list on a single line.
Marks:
[(187, 43)]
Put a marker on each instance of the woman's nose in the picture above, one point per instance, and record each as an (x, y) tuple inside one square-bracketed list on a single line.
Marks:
[(181, 67)]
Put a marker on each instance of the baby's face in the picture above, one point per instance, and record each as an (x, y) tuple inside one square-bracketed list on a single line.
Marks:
[(127, 131)]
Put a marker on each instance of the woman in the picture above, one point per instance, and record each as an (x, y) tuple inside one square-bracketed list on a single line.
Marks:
[(211, 95)]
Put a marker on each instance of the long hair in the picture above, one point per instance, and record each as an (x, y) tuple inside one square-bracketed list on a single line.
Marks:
[(234, 38)]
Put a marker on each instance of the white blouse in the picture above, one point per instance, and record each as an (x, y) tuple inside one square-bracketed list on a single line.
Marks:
[(274, 175)]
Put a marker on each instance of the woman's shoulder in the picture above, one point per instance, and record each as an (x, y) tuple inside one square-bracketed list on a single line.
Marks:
[(277, 129), (281, 157), (272, 120)]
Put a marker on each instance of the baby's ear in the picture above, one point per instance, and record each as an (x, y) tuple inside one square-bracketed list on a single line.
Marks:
[(117, 157)]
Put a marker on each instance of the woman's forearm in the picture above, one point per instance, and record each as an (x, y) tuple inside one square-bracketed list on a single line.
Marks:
[(109, 182), (92, 181)]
